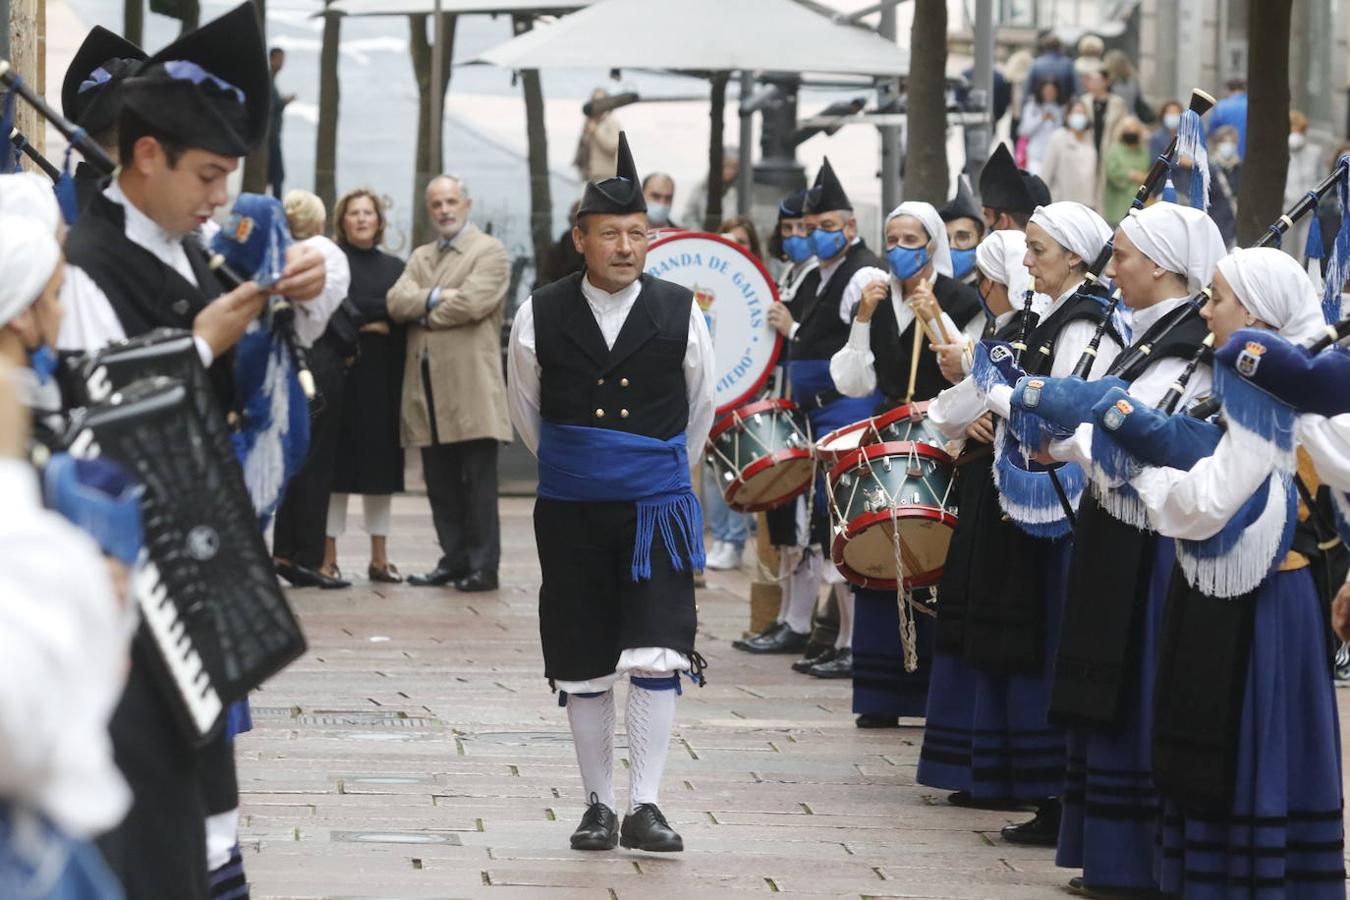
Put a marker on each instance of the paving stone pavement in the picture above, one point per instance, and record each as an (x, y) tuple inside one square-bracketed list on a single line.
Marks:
[(416, 751)]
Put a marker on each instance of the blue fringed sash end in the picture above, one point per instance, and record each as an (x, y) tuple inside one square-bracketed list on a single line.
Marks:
[(1028, 495), (680, 519)]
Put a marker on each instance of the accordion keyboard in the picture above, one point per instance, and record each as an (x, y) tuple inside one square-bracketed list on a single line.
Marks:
[(181, 658)]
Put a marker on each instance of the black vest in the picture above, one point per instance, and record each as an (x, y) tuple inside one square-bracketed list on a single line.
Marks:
[(1039, 356), (638, 386), (1176, 335), (892, 351), (822, 331)]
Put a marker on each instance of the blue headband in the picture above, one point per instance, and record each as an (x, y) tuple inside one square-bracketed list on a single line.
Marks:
[(183, 70)]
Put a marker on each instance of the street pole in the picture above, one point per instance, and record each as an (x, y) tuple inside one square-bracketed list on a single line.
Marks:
[(745, 175), (890, 134), (977, 148), (437, 95)]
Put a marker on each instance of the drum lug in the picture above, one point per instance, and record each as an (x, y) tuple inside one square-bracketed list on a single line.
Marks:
[(914, 471), (846, 479)]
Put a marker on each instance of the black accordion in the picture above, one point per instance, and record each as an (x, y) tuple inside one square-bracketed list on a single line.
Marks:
[(207, 590)]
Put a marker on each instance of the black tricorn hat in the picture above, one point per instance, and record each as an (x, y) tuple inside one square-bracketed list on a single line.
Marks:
[(91, 92), (1006, 187), (793, 206), (617, 196), (963, 205), (827, 193), (211, 88)]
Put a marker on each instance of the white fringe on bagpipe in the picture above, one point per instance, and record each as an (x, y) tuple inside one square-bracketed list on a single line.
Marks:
[(1259, 548), (1123, 503), (265, 462), (1030, 498)]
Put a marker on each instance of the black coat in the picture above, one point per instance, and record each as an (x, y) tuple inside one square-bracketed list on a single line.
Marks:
[(369, 457)]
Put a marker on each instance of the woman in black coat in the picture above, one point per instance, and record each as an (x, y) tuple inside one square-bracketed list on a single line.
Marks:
[(370, 460)]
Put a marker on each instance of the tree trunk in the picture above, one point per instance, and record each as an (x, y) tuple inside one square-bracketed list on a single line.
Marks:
[(325, 147), (712, 217), (427, 168), (255, 164), (1261, 194), (926, 137), (536, 136), (133, 21)]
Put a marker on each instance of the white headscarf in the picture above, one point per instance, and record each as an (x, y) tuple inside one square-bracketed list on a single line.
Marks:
[(1178, 238), (1074, 227), (941, 257), (1275, 288), (29, 255), (1000, 256), (27, 194)]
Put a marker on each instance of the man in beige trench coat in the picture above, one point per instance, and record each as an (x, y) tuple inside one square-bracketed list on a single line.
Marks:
[(454, 394)]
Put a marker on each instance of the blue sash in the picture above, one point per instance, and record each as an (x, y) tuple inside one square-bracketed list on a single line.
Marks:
[(582, 464), (809, 377)]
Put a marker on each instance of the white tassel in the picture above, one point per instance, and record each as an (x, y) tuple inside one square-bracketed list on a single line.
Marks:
[(1246, 565), (265, 465)]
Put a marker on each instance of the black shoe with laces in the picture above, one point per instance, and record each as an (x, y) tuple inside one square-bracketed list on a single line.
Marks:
[(645, 828), (1041, 831), (808, 660), (767, 633), (599, 828)]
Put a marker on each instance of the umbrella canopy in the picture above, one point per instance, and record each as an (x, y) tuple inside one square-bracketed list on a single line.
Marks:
[(428, 7), (701, 36)]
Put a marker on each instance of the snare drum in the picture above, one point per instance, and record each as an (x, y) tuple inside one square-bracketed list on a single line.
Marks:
[(879, 490), (761, 454), (904, 423)]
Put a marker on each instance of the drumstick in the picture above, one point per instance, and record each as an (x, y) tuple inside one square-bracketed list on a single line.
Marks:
[(914, 363)]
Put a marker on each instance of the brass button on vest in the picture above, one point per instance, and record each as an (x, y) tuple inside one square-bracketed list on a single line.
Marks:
[(599, 381), (623, 382), (623, 414), (599, 413)]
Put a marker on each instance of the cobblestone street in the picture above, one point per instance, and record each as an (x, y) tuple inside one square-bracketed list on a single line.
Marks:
[(417, 752)]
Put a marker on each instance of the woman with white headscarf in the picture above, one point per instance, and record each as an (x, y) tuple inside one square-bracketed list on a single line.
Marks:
[(1104, 663), (887, 349), (1244, 621)]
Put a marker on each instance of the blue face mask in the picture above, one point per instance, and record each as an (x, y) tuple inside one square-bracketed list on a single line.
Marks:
[(828, 244), (798, 248), (43, 363), (906, 262), (963, 263)]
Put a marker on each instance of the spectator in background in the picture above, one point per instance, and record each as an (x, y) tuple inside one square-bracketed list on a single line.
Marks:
[(1105, 111), (1125, 85), (276, 165), (1070, 164), (1042, 116), (1305, 169), (1126, 166), (1015, 70), (697, 209), (369, 458), (658, 189), (741, 230), (1051, 65), (1169, 120), (1231, 112), (598, 147), (1225, 175), (1089, 50)]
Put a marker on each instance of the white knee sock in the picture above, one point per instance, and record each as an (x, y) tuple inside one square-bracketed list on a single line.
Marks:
[(592, 721), (803, 587), (337, 515), (376, 508), (789, 558), (844, 595), (649, 718)]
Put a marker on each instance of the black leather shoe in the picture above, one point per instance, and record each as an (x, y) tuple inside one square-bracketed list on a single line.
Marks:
[(869, 720), (966, 800), (599, 828), (437, 577), (773, 629), (1041, 831), (304, 576), (646, 829), (476, 582), (1078, 886), (808, 660), (839, 667), (783, 641)]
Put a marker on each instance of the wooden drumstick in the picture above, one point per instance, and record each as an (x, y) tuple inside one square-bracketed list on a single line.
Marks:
[(914, 363)]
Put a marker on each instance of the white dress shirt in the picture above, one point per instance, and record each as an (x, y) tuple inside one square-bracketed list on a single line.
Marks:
[(1328, 444), (311, 317), (793, 277), (852, 291), (962, 403)]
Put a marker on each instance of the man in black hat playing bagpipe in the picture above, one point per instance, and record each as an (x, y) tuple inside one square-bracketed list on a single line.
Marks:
[(611, 383), (187, 115)]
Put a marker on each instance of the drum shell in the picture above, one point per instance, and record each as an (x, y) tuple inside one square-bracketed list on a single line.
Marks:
[(760, 455)]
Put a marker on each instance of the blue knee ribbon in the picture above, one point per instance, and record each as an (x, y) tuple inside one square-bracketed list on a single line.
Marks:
[(665, 683), (563, 695)]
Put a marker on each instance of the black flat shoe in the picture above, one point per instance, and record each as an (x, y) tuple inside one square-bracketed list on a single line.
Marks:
[(783, 641), (599, 828), (646, 829), (869, 720), (804, 664), (477, 582), (437, 577), (966, 800), (839, 667), (772, 630), (1041, 831), (304, 576)]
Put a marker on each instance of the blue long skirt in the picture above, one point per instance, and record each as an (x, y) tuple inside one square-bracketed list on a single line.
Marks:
[(1015, 753), (881, 686), (1285, 836), (1111, 813), (945, 758)]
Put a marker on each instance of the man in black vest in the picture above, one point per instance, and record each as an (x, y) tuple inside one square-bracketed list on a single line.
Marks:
[(188, 115), (1009, 195), (610, 383)]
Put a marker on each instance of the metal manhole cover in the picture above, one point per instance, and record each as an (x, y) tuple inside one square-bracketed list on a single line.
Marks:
[(520, 738), (361, 717), (395, 837)]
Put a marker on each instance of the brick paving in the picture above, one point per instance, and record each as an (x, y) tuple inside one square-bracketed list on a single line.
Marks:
[(416, 751)]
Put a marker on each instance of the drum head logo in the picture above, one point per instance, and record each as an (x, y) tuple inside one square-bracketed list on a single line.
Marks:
[(734, 293), (203, 543), (1249, 359), (1115, 416)]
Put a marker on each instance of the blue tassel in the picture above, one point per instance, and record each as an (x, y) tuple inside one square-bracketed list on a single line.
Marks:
[(1115, 463), (680, 520), (1338, 267), (1312, 249), (65, 185), (1169, 192), (1028, 495), (1191, 145), (1252, 409)]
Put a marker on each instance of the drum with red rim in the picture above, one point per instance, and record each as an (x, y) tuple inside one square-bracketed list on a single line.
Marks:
[(891, 504), (761, 455), (904, 423)]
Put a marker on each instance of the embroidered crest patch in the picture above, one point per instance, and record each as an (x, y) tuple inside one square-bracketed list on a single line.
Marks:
[(999, 354), (243, 227), (1115, 416), (1031, 397), (1249, 359)]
